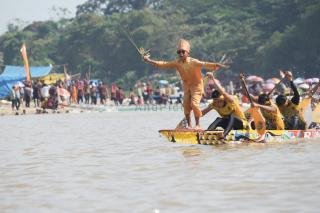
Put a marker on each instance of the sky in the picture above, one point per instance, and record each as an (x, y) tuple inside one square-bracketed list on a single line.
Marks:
[(28, 11)]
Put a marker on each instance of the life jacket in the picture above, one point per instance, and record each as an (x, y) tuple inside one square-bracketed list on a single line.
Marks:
[(274, 120)]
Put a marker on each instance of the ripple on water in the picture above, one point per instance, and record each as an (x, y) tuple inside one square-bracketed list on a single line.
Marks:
[(116, 162)]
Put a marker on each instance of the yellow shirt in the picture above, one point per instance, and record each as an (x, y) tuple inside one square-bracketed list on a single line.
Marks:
[(290, 110), (231, 108), (190, 71), (273, 119)]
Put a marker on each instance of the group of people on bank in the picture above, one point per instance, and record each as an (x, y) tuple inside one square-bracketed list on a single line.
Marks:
[(283, 114), (83, 91)]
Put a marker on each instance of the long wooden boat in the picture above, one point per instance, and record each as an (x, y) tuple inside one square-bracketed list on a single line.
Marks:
[(186, 136)]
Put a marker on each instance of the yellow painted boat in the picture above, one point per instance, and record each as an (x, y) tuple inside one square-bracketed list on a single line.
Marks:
[(186, 136)]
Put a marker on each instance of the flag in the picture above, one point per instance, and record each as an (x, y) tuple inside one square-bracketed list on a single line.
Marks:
[(23, 51)]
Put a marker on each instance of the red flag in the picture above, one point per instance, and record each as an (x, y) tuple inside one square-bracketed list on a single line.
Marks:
[(23, 51)]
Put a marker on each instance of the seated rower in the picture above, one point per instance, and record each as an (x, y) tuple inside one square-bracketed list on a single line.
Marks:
[(270, 112), (290, 109), (228, 108)]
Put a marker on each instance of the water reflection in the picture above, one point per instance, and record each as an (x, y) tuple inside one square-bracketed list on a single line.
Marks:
[(190, 152)]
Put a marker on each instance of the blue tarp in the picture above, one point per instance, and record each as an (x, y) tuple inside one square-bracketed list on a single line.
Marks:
[(12, 74)]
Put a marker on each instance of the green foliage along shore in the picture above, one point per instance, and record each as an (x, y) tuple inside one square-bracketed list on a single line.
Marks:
[(260, 36)]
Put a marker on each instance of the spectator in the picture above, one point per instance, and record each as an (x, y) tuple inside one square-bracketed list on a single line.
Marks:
[(28, 93), (80, 88), (37, 94), (114, 90), (93, 93), (120, 95), (132, 97), (102, 89)]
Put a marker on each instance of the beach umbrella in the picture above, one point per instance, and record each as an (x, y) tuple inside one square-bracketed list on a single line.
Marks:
[(269, 80), (298, 81), (303, 86), (315, 80), (273, 80), (19, 84), (163, 82), (254, 78), (308, 81), (276, 80), (267, 87)]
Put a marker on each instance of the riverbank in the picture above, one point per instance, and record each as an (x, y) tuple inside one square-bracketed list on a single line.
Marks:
[(6, 109)]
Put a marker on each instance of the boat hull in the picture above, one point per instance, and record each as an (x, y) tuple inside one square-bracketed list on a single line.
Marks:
[(186, 136)]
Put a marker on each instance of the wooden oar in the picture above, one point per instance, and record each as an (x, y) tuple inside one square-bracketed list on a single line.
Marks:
[(316, 114), (258, 119), (314, 89), (283, 76), (305, 103), (182, 124), (275, 86)]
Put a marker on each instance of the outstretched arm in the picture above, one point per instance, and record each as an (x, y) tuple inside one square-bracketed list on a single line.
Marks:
[(210, 65), (213, 66), (160, 64)]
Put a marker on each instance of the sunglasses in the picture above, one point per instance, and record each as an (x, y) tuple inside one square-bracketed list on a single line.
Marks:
[(181, 51)]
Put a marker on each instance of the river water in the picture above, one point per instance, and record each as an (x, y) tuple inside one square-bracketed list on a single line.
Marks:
[(117, 162)]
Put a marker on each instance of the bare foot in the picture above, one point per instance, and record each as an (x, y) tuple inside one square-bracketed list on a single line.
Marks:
[(198, 127)]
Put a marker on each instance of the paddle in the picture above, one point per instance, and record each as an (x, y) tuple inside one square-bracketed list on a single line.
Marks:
[(307, 101), (275, 86), (258, 119), (316, 114), (182, 124)]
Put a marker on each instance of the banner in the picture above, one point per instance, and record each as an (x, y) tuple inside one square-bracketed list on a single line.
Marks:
[(23, 51)]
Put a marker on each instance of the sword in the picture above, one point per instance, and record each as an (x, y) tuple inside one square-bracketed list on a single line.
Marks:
[(223, 58), (142, 52)]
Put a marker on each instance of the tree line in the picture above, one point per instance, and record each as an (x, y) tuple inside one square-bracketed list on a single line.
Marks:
[(258, 36)]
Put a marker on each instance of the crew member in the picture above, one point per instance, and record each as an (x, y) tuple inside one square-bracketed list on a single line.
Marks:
[(232, 117), (190, 72)]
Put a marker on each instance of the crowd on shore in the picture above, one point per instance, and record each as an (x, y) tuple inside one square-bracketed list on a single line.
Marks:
[(61, 95)]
